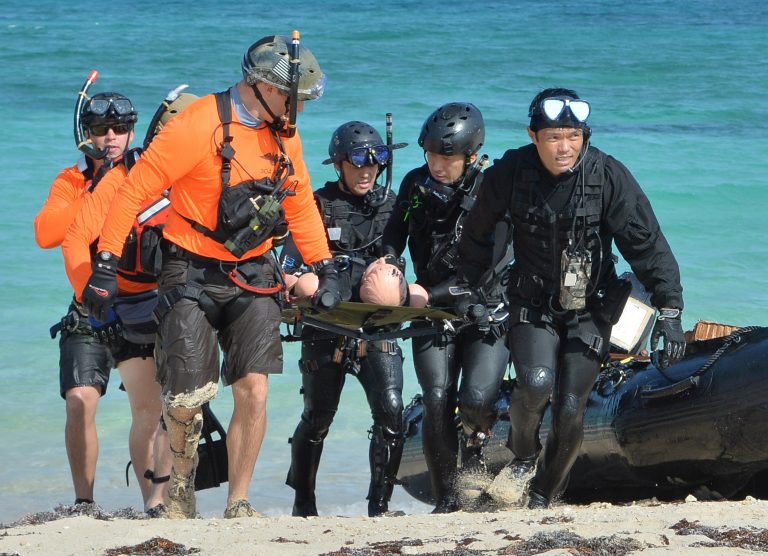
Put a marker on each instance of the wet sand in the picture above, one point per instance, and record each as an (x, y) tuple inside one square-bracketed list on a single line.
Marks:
[(648, 527)]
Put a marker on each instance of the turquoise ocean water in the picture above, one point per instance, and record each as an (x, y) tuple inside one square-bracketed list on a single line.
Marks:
[(678, 95)]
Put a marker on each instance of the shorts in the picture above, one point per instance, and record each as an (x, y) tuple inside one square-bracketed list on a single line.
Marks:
[(128, 350), (83, 361), (187, 349)]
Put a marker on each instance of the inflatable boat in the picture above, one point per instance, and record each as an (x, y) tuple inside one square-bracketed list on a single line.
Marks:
[(698, 427)]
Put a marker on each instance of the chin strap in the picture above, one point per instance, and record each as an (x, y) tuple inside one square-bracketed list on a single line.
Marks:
[(276, 123)]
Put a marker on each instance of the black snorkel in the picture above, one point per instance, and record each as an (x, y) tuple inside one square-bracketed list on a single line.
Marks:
[(83, 144), (293, 95), (378, 196), (162, 109)]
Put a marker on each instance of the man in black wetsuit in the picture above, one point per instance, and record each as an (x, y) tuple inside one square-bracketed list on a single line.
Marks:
[(355, 210), (432, 205), (569, 201)]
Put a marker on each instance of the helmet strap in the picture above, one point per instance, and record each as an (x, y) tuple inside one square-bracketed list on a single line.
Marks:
[(276, 123)]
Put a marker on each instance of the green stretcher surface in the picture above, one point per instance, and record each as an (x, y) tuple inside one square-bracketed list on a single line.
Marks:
[(353, 315)]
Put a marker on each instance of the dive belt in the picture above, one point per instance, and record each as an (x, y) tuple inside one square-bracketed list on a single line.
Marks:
[(74, 322), (246, 274)]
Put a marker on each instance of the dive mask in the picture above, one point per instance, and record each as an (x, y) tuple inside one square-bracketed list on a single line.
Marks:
[(562, 112), (101, 106), (369, 156), (432, 188)]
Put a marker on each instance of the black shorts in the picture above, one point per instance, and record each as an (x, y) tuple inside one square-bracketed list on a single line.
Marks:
[(83, 361), (188, 344), (128, 350)]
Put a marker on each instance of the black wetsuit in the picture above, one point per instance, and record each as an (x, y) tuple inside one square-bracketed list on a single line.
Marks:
[(429, 226), (558, 352), (354, 230)]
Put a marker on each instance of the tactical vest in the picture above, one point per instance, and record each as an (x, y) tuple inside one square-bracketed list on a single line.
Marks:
[(249, 212), (541, 234), (434, 230), (141, 260), (341, 212)]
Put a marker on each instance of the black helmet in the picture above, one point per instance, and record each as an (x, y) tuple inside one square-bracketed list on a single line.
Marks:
[(454, 128), (104, 108), (269, 59), (358, 143)]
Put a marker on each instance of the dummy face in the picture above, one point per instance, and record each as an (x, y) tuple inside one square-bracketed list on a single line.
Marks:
[(358, 181), (447, 169), (116, 143), (558, 148)]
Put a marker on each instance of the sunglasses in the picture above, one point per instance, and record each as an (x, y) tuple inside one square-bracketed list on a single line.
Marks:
[(553, 108), (100, 106), (102, 130), (368, 156)]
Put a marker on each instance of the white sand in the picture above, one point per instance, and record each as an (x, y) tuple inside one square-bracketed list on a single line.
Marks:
[(642, 528)]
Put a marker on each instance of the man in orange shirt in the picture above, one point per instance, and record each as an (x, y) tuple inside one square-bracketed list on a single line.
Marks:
[(238, 179), (132, 338), (84, 363)]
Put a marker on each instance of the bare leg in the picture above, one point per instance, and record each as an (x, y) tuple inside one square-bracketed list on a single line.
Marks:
[(163, 463), (246, 432), (138, 376), (81, 438)]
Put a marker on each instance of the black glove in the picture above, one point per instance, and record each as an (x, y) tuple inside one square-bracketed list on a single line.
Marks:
[(444, 294), (328, 294), (669, 327), (101, 290)]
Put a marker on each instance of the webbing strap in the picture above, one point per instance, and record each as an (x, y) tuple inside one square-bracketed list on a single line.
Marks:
[(224, 107)]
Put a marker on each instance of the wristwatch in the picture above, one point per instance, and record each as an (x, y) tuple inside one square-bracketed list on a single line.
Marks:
[(320, 265)]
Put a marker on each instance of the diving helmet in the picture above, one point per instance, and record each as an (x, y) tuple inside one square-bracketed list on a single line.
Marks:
[(454, 128), (176, 107), (358, 143), (268, 60)]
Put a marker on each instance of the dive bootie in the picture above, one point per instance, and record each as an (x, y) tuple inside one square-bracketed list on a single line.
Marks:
[(384, 454), (522, 469), (537, 501), (305, 460), (446, 505)]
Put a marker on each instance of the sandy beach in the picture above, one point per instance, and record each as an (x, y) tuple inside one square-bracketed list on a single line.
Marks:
[(649, 527)]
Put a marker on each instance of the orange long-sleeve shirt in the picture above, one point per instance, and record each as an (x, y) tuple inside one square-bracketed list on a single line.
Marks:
[(86, 228), (67, 195), (185, 154)]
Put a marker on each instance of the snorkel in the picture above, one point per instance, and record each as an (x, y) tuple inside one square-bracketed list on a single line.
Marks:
[(83, 144), (293, 76), (378, 196), (164, 106)]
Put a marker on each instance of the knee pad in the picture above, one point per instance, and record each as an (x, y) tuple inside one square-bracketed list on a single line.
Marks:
[(435, 398), (315, 425), (533, 387), (391, 410), (568, 412)]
